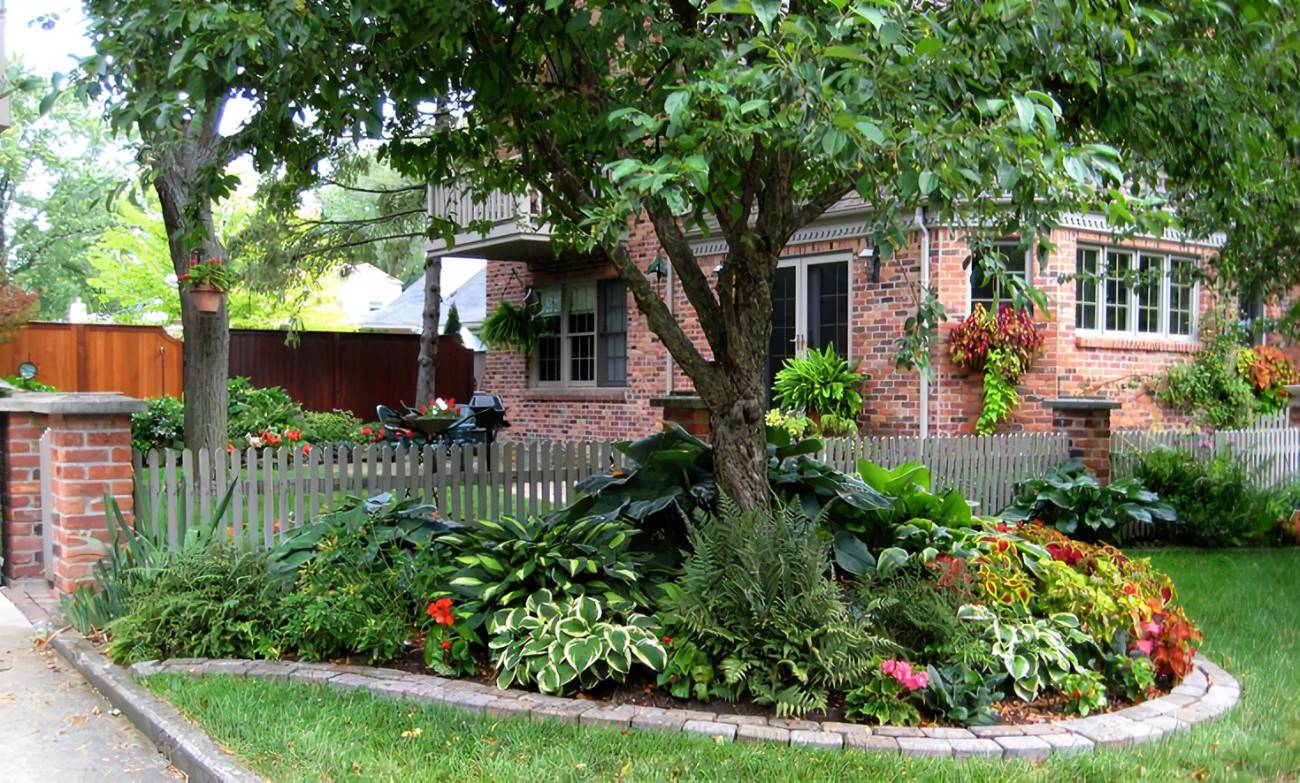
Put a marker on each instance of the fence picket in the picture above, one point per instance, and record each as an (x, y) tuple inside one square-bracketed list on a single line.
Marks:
[(250, 522), (205, 487), (169, 478)]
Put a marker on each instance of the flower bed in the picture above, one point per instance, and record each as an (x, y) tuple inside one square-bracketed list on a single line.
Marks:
[(861, 599)]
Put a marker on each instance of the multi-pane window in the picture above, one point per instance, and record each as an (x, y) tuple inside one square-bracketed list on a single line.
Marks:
[(583, 335), (986, 288), (1121, 291)]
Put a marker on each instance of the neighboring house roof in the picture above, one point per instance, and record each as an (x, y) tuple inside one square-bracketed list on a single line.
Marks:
[(406, 312)]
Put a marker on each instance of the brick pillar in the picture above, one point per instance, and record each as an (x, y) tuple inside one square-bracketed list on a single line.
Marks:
[(1086, 421), (88, 437), (687, 411), (1293, 404), (21, 497)]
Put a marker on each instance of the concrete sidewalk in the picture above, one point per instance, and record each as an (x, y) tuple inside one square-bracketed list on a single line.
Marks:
[(55, 727)]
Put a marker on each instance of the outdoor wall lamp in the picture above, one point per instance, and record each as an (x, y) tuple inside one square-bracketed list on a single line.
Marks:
[(658, 268)]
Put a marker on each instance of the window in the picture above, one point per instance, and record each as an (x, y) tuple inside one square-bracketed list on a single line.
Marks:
[(583, 335), (1121, 291), (986, 290)]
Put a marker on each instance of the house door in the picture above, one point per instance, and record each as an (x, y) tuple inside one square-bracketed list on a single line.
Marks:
[(810, 309)]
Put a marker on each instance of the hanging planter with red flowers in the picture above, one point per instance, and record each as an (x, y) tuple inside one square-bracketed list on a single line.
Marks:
[(208, 282)]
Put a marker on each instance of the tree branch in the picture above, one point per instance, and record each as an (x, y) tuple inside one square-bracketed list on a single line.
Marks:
[(694, 283)]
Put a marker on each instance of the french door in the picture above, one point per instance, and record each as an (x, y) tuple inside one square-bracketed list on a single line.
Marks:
[(810, 308)]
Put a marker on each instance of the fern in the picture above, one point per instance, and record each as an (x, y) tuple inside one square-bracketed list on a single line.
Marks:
[(757, 596)]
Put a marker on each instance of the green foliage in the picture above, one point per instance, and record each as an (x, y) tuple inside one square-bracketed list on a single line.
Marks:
[(340, 613), (161, 425), (452, 326), (918, 616), (336, 426), (1133, 677), (216, 603), (881, 699), (757, 597), (1071, 499), (28, 384), (1209, 387), (824, 384), (1034, 653), (961, 695), (212, 273), (1217, 503), (510, 327), (690, 673), (1084, 692), (380, 533), (1000, 397), (254, 409), (571, 643), (502, 562)]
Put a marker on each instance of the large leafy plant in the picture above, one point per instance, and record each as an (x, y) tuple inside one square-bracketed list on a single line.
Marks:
[(502, 562), (1071, 499), (757, 597), (567, 643), (1035, 653), (1217, 503), (824, 385)]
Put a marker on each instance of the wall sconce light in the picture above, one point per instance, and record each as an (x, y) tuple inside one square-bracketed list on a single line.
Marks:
[(870, 252), (658, 268)]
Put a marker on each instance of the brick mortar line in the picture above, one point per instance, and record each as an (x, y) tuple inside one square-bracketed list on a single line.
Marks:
[(1203, 695)]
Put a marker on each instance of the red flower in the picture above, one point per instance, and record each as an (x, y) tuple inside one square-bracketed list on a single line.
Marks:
[(194, 262), (184, 277), (1077, 693), (1003, 545), (446, 645), (667, 640), (440, 611), (306, 448), (366, 431), (230, 448)]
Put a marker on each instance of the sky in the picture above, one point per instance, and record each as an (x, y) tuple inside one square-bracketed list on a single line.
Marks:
[(47, 49)]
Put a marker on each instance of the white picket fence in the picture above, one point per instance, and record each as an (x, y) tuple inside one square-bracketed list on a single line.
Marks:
[(1271, 455), (277, 490), (985, 469)]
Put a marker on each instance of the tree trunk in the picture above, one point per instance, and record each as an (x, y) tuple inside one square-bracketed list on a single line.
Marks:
[(206, 350), (425, 386)]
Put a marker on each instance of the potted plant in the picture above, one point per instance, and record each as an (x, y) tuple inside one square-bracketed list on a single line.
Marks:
[(208, 282), (434, 417)]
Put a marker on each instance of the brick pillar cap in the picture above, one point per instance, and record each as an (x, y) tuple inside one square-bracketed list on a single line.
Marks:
[(1082, 404), (688, 401), (71, 403)]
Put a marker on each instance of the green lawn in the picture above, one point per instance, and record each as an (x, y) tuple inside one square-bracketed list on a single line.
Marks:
[(1247, 602)]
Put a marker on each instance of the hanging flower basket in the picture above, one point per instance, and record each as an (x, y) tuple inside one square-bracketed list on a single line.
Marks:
[(207, 299)]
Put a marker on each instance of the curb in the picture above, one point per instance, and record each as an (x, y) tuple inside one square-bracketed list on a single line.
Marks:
[(1206, 693), (187, 747)]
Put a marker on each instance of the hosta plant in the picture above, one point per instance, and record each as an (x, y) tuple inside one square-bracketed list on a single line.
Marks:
[(1035, 653), (1071, 499), (502, 562), (566, 644), (960, 694)]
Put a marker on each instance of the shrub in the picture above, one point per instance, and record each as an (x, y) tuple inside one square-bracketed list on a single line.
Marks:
[(573, 641), (253, 409), (337, 613), (161, 425), (824, 385), (335, 426), (203, 604), (1071, 499), (1217, 503), (757, 597), (1225, 385)]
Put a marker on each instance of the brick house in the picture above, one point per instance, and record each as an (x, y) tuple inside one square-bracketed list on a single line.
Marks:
[(602, 374)]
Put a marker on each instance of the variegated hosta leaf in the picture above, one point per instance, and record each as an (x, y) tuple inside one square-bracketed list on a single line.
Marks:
[(548, 679), (651, 653), (619, 661), (537, 599), (573, 626), (588, 609), (617, 638), (582, 653)]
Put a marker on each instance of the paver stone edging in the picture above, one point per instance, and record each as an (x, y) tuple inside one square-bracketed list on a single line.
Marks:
[(187, 746), (1204, 694)]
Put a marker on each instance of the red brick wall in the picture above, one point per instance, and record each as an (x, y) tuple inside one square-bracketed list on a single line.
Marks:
[(1070, 364), (22, 497)]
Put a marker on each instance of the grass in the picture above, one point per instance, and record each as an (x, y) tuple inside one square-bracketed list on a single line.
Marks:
[(1247, 602)]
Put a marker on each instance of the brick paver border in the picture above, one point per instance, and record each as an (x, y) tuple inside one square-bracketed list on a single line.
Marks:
[(1206, 693)]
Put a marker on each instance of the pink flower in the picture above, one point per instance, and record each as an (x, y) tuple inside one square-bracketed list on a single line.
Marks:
[(1147, 646), (889, 667)]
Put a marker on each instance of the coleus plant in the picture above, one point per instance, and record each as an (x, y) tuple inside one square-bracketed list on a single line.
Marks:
[(1001, 346)]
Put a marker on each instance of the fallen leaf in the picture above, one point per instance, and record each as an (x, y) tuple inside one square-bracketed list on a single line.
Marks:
[(415, 732)]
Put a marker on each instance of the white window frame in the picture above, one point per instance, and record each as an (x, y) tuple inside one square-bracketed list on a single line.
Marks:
[(801, 264), (1001, 245), (566, 354), (1131, 298)]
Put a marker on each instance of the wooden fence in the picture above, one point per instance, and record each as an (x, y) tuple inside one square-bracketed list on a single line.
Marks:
[(352, 371), (276, 490), (1271, 455), (139, 361), (985, 469)]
